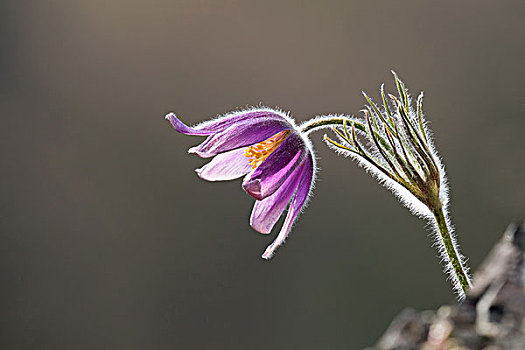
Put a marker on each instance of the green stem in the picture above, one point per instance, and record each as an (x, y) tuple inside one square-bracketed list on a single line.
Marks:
[(310, 125), (450, 250)]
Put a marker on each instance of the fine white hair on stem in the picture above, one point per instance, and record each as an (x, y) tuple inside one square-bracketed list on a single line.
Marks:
[(448, 268), (405, 197)]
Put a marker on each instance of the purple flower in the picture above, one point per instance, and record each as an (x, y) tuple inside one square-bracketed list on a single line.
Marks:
[(269, 150)]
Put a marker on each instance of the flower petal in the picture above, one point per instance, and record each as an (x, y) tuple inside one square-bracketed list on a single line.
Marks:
[(271, 174), (303, 189), (226, 166), (241, 134), (266, 212), (221, 123)]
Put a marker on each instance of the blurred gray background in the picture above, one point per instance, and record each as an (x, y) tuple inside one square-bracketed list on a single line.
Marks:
[(108, 239)]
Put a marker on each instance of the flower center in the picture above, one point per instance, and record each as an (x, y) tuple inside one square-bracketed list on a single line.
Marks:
[(260, 151)]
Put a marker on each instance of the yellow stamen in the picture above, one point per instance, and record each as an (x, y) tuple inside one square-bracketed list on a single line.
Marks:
[(259, 152)]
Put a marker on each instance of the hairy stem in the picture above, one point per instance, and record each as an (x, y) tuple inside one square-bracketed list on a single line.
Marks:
[(324, 122), (450, 249)]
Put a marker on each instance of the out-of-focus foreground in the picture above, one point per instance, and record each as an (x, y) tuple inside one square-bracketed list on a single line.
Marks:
[(492, 316)]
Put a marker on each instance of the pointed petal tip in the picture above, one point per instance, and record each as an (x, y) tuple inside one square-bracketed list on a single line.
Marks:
[(195, 150), (203, 176), (268, 254), (270, 250), (200, 175), (177, 124), (198, 171)]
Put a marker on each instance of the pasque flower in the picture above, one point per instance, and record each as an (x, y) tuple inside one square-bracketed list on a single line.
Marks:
[(270, 151), (392, 142)]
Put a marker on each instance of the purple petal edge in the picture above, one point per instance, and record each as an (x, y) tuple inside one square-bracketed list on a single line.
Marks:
[(219, 124), (303, 189), (183, 128), (267, 212)]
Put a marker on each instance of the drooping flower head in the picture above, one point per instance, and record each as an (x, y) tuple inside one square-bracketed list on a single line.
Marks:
[(270, 151), (392, 142)]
